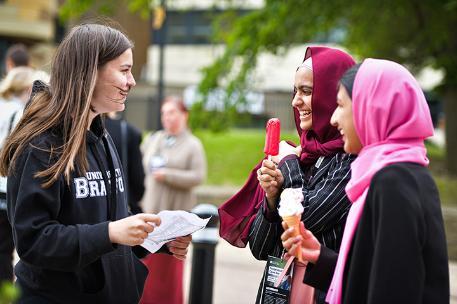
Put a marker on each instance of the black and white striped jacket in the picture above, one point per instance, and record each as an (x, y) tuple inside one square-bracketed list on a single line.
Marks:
[(325, 205)]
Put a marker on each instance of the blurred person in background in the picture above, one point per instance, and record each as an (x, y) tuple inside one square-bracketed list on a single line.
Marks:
[(127, 140), (174, 162), (15, 90), (16, 56)]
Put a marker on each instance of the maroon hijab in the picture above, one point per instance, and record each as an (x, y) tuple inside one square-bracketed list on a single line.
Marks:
[(237, 214)]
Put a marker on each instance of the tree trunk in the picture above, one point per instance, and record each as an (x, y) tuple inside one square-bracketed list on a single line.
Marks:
[(138, 30), (450, 110)]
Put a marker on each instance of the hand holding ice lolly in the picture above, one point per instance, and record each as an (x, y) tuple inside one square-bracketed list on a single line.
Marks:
[(273, 130)]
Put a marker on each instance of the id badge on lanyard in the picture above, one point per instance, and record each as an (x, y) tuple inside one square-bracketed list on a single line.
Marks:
[(271, 291)]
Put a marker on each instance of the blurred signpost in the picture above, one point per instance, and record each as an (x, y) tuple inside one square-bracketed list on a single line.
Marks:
[(159, 23)]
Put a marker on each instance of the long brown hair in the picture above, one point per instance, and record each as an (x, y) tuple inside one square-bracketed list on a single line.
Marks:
[(65, 104)]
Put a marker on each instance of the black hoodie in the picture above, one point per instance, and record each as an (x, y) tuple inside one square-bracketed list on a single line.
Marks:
[(61, 232)]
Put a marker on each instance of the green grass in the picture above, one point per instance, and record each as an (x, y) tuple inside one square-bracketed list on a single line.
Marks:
[(231, 155), (447, 187), (8, 292), (434, 152)]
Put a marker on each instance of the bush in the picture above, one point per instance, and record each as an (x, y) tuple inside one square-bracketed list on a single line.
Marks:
[(8, 293)]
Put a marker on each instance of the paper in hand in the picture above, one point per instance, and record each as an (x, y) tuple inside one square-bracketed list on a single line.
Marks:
[(173, 224)]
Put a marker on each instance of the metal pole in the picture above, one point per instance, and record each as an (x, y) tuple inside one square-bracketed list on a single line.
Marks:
[(154, 103), (203, 256), (160, 84)]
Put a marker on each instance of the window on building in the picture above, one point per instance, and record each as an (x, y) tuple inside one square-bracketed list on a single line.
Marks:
[(188, 27)]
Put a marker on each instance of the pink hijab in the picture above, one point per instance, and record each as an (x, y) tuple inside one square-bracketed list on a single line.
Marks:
[(392, 120), (237, 214)]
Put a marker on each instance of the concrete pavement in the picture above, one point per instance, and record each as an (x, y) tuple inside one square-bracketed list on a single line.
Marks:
[(236, 267), (237, 276)]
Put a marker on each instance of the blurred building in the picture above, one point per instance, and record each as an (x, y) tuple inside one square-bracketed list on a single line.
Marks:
[(189, 48), (31, 22), (28, 19), (35, 23), (187, 36)]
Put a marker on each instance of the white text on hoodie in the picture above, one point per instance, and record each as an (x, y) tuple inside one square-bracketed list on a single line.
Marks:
[(93, 185)]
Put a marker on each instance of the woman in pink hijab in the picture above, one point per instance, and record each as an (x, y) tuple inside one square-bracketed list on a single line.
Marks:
[(394, 246)]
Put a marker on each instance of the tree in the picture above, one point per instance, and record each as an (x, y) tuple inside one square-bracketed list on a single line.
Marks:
[(73, 9), (417, 33), (8, 292)]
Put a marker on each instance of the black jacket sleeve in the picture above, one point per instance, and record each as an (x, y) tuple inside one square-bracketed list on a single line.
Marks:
[(320, 275), (135, 169), (41, 240), (264, 234)]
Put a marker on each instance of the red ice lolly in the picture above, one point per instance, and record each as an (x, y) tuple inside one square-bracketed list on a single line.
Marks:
[(272, 137)]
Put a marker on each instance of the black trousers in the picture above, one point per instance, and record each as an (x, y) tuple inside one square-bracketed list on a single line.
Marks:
[(6, 246), (28, 296)]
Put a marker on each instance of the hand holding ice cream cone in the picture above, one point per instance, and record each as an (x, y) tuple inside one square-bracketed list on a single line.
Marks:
[(306, 242), (290, 209)]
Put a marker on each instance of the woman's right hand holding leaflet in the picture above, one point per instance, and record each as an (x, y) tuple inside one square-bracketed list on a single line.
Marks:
[(132, 230), (310, 246), (271, 180)]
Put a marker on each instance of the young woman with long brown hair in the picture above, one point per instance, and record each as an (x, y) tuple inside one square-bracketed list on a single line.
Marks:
[(65, 194)]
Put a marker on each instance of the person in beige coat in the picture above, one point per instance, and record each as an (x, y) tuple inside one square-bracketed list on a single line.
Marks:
[(174, 162)]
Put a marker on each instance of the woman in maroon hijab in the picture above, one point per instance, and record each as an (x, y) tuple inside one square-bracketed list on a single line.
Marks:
[(320, 169)]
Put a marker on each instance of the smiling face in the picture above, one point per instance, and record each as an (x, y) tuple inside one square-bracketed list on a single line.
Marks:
[(303, 96), (114, 81), (343, 119)]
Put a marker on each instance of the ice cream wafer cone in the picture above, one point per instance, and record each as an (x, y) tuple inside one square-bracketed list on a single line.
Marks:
[(294, 221)]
